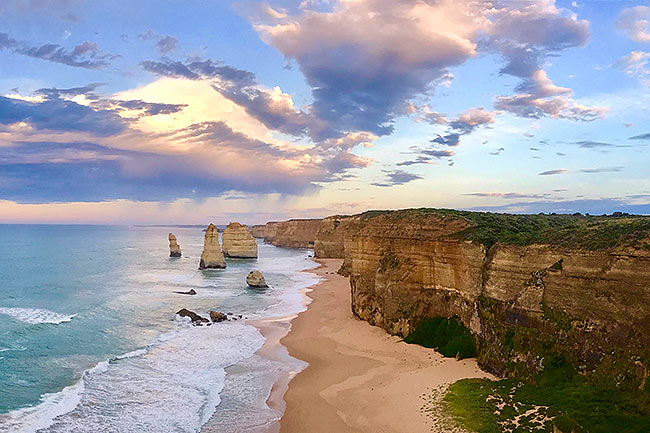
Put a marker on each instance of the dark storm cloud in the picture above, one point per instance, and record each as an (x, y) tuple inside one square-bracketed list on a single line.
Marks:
[(199, 69), (47, 172), (60, 115), (397, 177), (55, 93), (602, 170), (645, 136), (452, 139), (85, 55), (148, 108), (166, 44), (555, 172), (100, 103)]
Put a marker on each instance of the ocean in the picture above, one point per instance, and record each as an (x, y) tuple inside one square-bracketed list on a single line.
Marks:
[(90, 342)]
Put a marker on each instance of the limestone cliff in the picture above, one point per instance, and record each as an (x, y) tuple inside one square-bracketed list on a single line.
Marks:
[(212, 257), (331, 235), (295, 233), (238, 242), (528, 287)]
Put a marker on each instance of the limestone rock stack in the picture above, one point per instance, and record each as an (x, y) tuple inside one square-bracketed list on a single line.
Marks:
[(174, 248), (212, 257), (256, 279), (238, 242)]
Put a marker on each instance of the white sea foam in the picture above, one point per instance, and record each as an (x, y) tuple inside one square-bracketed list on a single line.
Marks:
[(36, 315), (173, 385), (31, 419)]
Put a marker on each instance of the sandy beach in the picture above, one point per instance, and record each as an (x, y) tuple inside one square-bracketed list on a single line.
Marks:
[(359, 378)]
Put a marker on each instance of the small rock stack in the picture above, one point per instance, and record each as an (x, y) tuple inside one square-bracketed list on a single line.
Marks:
[(174, 248), (256, 279)]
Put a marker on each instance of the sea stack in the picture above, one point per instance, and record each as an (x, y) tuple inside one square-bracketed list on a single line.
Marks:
[(174, 248), (238, 242), (256, 279), (212, 257)]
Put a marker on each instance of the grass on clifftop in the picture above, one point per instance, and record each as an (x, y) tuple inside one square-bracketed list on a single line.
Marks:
[(448, 336), (568, 402), (572, 231)]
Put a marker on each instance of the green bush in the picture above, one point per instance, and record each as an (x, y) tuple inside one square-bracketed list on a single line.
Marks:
[(448, 336), (558, 398)]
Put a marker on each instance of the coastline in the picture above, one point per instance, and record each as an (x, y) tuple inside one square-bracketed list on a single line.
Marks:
[(358, 377)]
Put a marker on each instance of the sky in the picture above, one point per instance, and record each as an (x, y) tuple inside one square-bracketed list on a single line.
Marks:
[(196, 111)]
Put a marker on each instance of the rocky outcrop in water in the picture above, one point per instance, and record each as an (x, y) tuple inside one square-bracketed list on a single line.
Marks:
[(174, 248), (217, 316), (195, 318), (212, 257), (238, 242), (189, 292), (256, 279)]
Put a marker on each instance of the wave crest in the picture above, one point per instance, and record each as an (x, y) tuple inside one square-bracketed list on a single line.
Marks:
[(35, 316)]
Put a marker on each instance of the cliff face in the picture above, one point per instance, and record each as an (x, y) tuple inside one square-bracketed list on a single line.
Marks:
[(331, 235), (523, 303), (296, 233)]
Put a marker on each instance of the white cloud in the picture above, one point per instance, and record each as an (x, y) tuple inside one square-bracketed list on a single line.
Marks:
[(635, 22)]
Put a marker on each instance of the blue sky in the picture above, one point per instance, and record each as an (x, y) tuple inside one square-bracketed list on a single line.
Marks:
[(188, 111)]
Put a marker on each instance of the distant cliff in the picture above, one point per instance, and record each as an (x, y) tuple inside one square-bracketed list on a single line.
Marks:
[(295, 233)]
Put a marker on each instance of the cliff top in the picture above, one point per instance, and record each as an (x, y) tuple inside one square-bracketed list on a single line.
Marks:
[(570, 231)]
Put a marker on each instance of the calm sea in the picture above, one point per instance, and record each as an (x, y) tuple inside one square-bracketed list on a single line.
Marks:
[(89, 339)]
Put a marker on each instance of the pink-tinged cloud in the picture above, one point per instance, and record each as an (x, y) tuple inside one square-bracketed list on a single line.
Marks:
[(635, 22)]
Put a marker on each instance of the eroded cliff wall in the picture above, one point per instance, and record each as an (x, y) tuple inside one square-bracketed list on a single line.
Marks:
[(525, 304), (295, 233)]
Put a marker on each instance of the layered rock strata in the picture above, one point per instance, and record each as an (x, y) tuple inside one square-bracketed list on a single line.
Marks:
[(523, 303), (296, 233), (238, 242), (212, 257)]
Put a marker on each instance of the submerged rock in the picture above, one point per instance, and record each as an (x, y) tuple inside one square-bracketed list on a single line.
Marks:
[(174, 248), (189, 292), (217, 316), (256, 279), (195, 318), (238, 242), (212, 257)]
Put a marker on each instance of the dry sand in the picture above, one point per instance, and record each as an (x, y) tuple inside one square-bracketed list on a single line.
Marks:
[(359, 378)]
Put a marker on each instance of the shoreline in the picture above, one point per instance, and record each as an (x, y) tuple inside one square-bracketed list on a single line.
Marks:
[(274, 330), (358, 378)]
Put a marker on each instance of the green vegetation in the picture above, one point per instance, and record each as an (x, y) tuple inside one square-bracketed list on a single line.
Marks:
[(572, 231), (448, 336), (560, 398)]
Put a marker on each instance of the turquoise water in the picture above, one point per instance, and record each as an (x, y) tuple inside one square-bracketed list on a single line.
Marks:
[(89, 340)]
